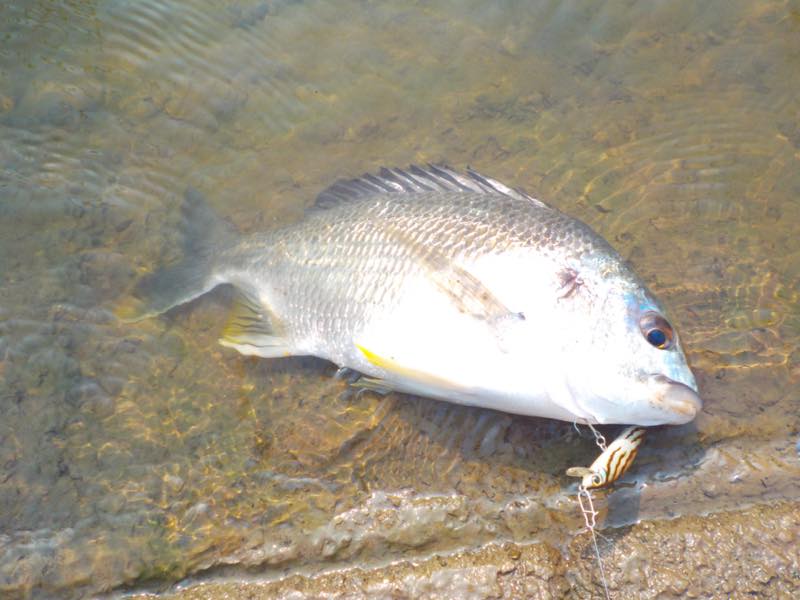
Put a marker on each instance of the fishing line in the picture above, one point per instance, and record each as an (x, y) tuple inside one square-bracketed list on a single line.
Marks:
[(590, 518), (587, 509)]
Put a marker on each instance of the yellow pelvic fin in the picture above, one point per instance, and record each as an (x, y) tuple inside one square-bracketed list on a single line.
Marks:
[(412, 375), (376, 360)]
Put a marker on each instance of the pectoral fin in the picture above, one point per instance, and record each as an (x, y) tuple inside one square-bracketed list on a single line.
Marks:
[(467, 292), (253, 330)]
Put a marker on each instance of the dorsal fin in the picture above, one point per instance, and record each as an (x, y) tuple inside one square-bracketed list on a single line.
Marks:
[(415, 180)]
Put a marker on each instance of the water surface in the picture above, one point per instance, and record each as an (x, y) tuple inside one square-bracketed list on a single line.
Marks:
[(135, 455)]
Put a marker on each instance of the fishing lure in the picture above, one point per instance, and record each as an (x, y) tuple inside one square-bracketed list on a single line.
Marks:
[(613, 462)]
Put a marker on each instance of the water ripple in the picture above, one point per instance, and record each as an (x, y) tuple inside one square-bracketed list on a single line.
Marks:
[(205, 72)]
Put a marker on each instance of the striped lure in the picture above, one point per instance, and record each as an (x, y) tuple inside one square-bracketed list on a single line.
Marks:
[(613, 462)]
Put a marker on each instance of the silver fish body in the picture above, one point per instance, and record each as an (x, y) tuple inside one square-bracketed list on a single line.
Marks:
[(451, 286)]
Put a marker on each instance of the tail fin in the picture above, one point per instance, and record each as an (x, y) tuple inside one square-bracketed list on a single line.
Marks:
[(204, 235)]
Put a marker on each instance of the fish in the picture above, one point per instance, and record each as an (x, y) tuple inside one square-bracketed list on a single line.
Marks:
[(444, 284)]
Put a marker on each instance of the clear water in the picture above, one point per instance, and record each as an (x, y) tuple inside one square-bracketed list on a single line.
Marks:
[(137, 455)]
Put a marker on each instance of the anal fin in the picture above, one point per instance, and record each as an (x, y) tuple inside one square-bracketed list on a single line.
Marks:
[(253, 330)]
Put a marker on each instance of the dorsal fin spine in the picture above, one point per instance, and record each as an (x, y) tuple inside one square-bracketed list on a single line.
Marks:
[(415, 180)]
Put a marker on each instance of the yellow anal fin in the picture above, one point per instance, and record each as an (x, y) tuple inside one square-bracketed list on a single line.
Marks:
[(253, 330)]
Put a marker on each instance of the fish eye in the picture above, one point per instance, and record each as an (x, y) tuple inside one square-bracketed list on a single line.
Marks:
[(657, 330)]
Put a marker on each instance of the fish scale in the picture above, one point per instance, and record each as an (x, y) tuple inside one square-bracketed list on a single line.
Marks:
[(369, 265)]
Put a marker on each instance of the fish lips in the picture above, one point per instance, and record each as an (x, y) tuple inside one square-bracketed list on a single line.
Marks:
[(676, 399)]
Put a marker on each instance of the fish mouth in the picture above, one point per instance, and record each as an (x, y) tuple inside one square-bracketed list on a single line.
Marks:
[(675, 398)]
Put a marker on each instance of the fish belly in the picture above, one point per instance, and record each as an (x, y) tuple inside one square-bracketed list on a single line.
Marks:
[(426, 346)]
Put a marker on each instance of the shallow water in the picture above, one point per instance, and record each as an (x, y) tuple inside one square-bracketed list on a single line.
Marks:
[(133, 456)]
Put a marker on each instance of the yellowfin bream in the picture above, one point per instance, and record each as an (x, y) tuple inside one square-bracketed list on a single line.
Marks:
[(446, 285)]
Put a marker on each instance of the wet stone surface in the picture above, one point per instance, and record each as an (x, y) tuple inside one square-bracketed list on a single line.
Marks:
[(725, 554)]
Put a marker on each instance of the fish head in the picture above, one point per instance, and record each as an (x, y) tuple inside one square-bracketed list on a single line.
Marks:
[(630, 365)]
